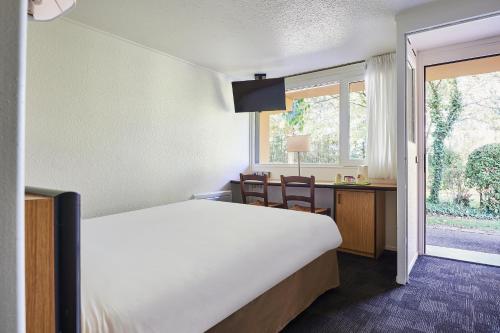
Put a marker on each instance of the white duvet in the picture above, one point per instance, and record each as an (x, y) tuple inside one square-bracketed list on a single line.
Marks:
[(184, 267)]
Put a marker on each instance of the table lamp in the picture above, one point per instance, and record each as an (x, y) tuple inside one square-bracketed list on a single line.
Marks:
[(298, 144)]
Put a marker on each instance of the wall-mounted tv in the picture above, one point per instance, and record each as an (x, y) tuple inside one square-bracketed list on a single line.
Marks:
[(259, 95)]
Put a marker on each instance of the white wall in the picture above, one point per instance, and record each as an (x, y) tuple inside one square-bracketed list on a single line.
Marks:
[(433, 14), (126, 126), (12, 74)]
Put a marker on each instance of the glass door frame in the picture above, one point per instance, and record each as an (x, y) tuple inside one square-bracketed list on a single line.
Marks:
[(441, 56)]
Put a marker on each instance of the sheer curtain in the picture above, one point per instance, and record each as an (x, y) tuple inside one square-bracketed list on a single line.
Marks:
[(380, 83)]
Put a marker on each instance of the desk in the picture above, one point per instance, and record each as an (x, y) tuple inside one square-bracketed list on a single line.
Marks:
[(358, 210), (332, 185)]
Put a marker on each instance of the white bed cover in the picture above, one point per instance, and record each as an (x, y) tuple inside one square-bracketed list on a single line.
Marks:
[(184, 267)]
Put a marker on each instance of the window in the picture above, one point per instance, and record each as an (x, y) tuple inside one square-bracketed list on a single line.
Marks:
[(358, 121), (312, 111), (329, 108)]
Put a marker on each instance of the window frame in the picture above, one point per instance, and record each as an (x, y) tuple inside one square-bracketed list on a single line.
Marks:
[(343, 75)]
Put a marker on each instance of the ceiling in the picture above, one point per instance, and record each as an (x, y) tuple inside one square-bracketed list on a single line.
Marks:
[(457, 33), (241, 37)]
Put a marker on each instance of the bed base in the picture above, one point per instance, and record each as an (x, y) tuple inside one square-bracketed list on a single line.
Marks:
[(273, 310)]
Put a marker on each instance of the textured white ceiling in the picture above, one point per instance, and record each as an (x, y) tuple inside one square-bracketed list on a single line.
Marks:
[(240, 37)]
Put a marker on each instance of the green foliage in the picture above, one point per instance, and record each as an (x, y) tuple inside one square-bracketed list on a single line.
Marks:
[(278, 149), (443, 118), (453, 176), (358, 121), (295, 118), (452, 209), (462, 198), (316, 116), (452, 165), (464, 222), (483, 172), (294, 124)]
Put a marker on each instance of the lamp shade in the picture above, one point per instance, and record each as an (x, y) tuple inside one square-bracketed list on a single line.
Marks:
[(298, 143)]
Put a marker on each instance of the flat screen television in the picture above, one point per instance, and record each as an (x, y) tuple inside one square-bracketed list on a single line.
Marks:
[(259, 95)]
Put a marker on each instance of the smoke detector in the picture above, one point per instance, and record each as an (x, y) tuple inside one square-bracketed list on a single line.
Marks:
[(46, 10)]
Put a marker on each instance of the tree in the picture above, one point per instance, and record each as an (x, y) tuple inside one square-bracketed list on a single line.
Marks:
[(295, 117), (453, 176), (358, 123), (483, 172), (443, 125)]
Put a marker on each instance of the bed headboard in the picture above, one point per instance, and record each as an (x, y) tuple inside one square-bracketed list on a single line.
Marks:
[(61, 215)]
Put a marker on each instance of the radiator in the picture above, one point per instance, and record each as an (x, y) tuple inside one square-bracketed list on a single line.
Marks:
[(216, 196)]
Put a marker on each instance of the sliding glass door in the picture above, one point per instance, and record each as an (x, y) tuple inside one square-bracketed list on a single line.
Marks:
[(462, 134)]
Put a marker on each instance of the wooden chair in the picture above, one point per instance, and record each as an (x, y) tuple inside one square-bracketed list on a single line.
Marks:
[(256, 180), (309, 181)]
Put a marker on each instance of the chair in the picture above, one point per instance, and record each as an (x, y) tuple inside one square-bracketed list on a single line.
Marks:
[(309, 181), (256, 180)]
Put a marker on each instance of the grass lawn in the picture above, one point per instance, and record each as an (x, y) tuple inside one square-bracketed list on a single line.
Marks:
[(463, 222)]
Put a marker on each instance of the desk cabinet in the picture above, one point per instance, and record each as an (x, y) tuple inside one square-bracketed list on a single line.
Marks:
[(360, 216)]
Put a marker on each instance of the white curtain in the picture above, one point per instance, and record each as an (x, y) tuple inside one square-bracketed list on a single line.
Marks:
[(380, 83)]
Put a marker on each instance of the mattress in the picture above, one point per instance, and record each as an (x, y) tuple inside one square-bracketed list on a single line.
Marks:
[(185, 267)]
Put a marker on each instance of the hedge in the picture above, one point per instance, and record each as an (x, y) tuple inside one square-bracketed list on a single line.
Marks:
[(452, 209)]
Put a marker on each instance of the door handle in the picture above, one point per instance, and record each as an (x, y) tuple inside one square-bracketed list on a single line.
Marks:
[(338, 198)]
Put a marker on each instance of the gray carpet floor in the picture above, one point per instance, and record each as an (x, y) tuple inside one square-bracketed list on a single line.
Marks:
[(442, 296), (473, 241)]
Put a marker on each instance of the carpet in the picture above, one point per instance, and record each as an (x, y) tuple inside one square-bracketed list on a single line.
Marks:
[(442, 296)]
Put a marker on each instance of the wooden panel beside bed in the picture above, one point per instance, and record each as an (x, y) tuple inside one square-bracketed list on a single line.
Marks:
[(39, 253), (52, 222)]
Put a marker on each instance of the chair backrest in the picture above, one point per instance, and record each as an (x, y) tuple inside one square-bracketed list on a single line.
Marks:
[(256, 180), (309, 181)]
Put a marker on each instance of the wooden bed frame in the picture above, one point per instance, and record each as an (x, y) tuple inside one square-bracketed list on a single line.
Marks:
[(53, 274), (273, 310)]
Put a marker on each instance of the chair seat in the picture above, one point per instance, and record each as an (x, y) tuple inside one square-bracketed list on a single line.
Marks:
[(270, 204), (322, 211)]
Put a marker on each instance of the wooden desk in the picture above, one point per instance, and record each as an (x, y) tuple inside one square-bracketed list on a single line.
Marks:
[(359, 211), (332, 185)]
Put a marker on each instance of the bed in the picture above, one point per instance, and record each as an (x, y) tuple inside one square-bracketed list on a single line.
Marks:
[(203, 265)]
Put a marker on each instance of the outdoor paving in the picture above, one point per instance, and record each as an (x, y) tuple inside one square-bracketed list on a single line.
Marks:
[(466, 240)]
